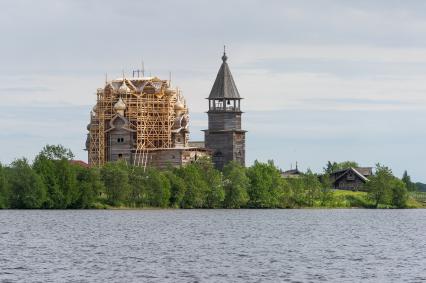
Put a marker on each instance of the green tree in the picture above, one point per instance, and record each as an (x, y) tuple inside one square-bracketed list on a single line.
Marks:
[(59, 176), (67, 181), (408, 183), (90, 186), (215, 193), (47, 170), (115, 177), (3, 188), (326, 192), (334, 166), (27, 187), (138, 193), (347, 164), (420, 187), (331, 167), (399, 193), (177, 189), (298, 197), (379, 187), (56, 152), (196, 187), (266, 185), (236, 184), (312, 186), (158, 188), (286, 195)]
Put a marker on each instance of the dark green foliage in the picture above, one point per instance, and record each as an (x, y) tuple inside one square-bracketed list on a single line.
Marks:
[(115, 177), (297, 186), (67, 181), (407, 180), (27, 189), (312, 186), (379, 190), (421, 187), (48, 173), (266, 185), (399, 193), (158, 188), (52, 181), (56, 152), (215, 193), (326, 191), (138, 193), (385, 189), (3, 188), (236, 184), (334, 166), (59, 176), (196, 187), (177, 189), (90, 187)]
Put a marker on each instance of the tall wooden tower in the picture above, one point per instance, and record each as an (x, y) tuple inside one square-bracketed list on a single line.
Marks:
[(224, 136)]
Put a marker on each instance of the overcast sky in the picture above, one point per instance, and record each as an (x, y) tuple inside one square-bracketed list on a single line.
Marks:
[(322, 80)]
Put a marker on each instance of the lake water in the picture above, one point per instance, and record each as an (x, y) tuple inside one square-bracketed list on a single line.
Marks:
[(213, 246)]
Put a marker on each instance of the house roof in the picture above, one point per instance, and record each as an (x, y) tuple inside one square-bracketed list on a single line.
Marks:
[(291, 173), (80, 163), (224, 85), (366, 171), (355, 171)]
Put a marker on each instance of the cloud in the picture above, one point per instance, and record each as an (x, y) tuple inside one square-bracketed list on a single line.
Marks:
[(25, 89), (321, 80)]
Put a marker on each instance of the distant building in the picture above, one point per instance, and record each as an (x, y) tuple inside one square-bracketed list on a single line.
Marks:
[(142, 121), (292, 173), (145, 122), (351, 178), (224, 135)]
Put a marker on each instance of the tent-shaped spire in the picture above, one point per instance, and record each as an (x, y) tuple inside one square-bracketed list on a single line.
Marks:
[(224, 85)]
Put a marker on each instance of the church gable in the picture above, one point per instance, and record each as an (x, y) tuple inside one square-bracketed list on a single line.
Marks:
[(119, 122)]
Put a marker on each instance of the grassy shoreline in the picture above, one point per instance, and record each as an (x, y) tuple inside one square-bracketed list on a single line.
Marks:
[(342, 200)]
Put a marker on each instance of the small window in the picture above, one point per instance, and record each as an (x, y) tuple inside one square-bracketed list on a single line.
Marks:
[(120, 156), (120, 140)]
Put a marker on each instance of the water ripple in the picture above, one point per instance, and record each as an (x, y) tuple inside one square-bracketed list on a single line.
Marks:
[(213, 246)]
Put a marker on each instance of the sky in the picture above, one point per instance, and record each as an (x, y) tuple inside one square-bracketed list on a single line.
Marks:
[(321, 79)]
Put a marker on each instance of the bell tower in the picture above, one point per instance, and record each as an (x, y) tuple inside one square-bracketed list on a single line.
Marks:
[(224, 135)]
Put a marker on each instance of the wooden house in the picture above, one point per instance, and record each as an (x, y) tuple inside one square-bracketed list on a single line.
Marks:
[(351, 178)]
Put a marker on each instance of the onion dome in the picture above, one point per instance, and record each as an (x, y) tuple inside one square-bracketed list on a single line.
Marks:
[(179, 106), (124, 88), (120, 106), (170, 91)]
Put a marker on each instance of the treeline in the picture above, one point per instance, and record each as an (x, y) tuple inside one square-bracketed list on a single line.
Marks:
[(53, 182), (421, 187)]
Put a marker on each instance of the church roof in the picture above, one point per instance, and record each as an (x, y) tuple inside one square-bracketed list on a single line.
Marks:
[(224, 85)]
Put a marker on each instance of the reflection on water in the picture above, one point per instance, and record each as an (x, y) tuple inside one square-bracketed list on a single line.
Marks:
[(213, 246)]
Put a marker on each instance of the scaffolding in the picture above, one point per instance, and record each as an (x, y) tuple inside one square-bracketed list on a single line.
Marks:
[(149, 110)]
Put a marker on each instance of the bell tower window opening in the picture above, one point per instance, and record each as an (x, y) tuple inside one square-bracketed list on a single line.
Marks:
[(218, 104)]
